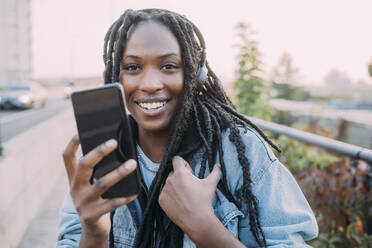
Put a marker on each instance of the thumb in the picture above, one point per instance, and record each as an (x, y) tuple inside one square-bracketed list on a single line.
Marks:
[(188, 167), (180, 163), (215, 176)]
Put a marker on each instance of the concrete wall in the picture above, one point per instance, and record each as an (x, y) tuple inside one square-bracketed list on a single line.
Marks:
[(29, 169)]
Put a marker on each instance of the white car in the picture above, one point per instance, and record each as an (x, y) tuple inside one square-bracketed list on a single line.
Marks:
[(23, 96)]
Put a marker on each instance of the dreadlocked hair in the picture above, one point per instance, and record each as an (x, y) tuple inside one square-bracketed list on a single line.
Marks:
[(207, 106)]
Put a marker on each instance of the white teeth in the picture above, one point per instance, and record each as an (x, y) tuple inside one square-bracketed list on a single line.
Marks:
[(152, 105)]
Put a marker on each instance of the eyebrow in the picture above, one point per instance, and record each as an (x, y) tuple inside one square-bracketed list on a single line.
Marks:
[(168, 55), (162, 56)]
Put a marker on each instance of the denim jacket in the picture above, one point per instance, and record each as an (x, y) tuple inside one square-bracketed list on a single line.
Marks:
[(285, 216)]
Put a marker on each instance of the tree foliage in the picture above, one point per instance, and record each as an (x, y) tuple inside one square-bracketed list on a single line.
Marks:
[(335, 78), (251, 91), (285, 79), (285, 72), (290, 92)]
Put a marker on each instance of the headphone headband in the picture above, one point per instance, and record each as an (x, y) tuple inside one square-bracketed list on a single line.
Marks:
[(202, 74)]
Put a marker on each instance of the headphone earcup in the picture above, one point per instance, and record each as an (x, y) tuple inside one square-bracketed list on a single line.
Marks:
[(201, 75)]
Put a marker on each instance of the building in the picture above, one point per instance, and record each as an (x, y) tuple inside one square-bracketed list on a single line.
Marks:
[(15, 42)]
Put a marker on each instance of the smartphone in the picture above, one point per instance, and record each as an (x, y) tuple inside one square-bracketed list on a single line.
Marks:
[(100, 115)]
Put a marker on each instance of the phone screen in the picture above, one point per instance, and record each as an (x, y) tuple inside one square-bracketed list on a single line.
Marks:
[(100, 115)]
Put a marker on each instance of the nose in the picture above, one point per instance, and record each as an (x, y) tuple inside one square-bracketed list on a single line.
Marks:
[(151, 81)]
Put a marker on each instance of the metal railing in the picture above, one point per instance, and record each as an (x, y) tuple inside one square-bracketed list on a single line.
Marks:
[(332, 145), (352, 151)]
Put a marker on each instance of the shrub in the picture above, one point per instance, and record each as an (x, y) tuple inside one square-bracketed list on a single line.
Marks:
[(299, 156), (336, 190), (341, 203)]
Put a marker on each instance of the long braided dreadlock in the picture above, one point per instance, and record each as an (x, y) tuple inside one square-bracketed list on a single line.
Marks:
[(207, 106)]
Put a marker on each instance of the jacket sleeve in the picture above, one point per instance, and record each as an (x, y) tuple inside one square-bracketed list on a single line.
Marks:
[(69, 228), (286, 217)]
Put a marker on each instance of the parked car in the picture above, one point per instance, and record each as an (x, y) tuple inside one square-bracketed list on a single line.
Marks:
[(23, 96), (70, 87)]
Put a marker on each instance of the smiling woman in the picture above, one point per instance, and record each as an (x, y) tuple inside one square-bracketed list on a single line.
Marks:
[(208, 177)]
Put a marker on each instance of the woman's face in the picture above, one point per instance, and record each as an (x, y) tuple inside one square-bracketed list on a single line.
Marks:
[(152, 76)]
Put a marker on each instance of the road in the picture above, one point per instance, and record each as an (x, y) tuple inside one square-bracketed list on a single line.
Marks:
[(14, 122)]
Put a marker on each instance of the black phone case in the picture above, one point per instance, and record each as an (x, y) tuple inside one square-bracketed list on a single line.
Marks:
[(100, 115)]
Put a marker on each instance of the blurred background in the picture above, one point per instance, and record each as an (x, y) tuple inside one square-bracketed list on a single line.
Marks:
[(305, 65)]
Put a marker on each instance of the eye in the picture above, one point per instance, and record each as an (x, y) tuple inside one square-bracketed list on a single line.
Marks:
[(131, 68), (170, 67)]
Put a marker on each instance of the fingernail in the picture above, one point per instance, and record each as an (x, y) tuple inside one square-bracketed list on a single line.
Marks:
[(133, 197), (130, 164), (111, 143)]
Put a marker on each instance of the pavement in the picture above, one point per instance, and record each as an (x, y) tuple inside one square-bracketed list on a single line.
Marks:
[(33, 183), (42, 231)]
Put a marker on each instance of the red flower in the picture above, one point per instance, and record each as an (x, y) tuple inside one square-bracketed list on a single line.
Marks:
[(359, 226)]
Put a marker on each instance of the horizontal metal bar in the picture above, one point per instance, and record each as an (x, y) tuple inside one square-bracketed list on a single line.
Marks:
[(316, 140)]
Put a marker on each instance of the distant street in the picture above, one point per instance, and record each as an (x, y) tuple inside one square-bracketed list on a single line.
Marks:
[(14, 122)]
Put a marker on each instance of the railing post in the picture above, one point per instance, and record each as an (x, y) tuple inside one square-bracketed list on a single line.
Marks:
[(368, 185)]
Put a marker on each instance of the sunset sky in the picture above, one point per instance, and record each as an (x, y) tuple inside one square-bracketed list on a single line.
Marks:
[(319, 35)]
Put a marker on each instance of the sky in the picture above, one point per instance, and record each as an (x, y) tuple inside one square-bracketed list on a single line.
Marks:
[(320, 35)]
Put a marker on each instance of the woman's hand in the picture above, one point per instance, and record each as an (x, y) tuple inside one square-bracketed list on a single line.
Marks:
[(186, 199), (93, 210)]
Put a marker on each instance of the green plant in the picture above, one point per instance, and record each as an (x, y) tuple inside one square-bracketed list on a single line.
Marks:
[(335, 190), (341, 203), (251, 91), (299, 157)]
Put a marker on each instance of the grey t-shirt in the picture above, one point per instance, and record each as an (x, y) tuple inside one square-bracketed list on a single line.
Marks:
[(148, 168)]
